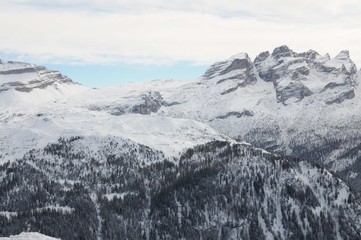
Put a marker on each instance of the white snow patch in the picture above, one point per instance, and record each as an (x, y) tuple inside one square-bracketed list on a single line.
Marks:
[(28, 236), (110, 196)]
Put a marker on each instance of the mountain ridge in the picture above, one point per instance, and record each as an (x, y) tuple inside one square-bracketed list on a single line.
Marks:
[(37, 82), (171, 159)]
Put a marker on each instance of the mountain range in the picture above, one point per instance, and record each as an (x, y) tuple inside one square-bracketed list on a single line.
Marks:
[(262, 149)]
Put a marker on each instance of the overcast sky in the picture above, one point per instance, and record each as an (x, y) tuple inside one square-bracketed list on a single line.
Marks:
[(159, 35)]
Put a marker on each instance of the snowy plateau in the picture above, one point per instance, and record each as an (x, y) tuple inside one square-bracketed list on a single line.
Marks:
[(268, 148)]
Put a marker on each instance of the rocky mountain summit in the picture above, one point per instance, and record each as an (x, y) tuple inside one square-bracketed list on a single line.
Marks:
[(301, 75), (25, 77), (18, 77), (294, 75), (239, 69)]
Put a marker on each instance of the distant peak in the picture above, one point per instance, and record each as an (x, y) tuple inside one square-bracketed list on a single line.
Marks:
[(262, 56), (312, 54), (327, 56), (343, 55), (25, 77), (282, 51), (237, 67), (239, 56)]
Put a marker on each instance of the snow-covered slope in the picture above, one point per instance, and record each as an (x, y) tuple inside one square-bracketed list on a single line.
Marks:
[(35, 119), (28, 236), (112, 189), (170, 135)]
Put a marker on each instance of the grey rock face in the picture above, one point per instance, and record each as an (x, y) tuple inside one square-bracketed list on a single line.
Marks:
[(282, 51), (265, 72), (310, 54), (345, 56), (261, 57), (245, 113), (326, 69), (272, 67), (287, 81), (151, 104), (147, 103), (19, 71), (349, 94), (213, 70), (293, 90), (239, 69), (237, 64)]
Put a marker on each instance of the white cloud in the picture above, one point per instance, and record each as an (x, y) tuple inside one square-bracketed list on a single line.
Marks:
[(164, 32), (323, 10)]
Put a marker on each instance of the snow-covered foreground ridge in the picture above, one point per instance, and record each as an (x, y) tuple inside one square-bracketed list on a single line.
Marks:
[(28, 236), (121, 190), (125, 160)]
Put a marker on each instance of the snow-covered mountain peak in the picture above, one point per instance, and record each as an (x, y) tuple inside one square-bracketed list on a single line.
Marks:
[(282, 51), (310, 54), (238, 68), (343, 59), (235, 62), (24, 84), (241, 55), (294, 75), (24, 77), (343, 55), (261, 57), (327, 56), (299, 75)]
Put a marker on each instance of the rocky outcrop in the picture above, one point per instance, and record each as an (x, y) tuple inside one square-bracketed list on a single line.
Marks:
[(282, 51), (293, 90), (263, 65), (24, 77), (342, 96), (244, 113), (145, 104), (310, 54), (344, 57), (19, 71), (238, 68), (151, 103), (261, 57)]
